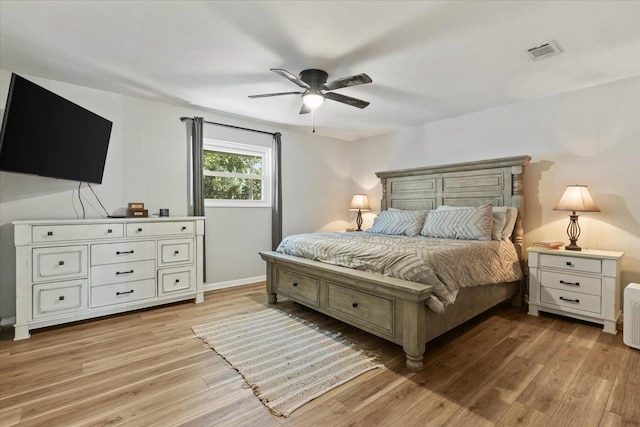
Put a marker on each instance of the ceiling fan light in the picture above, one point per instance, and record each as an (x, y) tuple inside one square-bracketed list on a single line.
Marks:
[(313, 100)]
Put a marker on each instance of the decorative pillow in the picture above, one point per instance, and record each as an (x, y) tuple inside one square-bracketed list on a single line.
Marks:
[(500, 217), (407, 223), (467, 224), (512, 216)]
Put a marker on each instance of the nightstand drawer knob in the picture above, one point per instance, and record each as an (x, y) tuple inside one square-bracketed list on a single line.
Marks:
[(295, 284), (570, 283), (577, 301), (569, 263), (354, 305)]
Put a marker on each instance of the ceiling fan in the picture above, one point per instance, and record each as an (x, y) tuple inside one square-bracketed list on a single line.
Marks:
[(317, 89)]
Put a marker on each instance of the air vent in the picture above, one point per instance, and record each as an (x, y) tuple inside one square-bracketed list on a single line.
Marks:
[(544, 51)]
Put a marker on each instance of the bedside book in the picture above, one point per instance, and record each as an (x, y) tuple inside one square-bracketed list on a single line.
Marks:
[(549, 244)]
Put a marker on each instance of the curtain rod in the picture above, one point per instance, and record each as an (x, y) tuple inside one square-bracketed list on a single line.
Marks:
[(183, 119)]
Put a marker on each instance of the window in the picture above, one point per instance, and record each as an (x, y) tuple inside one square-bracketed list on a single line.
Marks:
[(236, 174)]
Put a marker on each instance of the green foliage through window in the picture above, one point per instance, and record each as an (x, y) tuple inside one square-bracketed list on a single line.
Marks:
[(232, 176)]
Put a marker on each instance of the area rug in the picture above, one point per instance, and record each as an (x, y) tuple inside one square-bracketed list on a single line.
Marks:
[(284, 359)]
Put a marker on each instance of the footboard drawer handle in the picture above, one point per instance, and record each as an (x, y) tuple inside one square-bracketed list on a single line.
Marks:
[(124, 252), (60, 262), (569, 263), (125, 293), (295, 283), (123, 272), (570, 283), (577, 301), (354, 305)]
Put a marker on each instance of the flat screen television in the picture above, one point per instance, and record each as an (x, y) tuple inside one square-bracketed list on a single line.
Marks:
[(47, 135)]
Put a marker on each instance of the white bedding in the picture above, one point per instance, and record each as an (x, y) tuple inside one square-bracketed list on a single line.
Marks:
[(446, 264)]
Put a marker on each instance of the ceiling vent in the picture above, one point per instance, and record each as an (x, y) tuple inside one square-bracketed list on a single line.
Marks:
[(544, 51)]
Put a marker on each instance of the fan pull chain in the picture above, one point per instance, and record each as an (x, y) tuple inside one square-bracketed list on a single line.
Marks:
[(313, 121)]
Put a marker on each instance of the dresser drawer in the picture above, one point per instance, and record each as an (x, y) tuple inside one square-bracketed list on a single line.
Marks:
[(52, 299), (122, 292), (125, 272), (574, 300), (58, 233), (370, 310), (571, 282), (298, 285), (111, 253), (175, 251), (176, 280), (160, 229), (59, 262), (569, 263)]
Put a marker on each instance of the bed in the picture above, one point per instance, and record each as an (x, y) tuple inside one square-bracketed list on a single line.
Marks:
[(397, 309)]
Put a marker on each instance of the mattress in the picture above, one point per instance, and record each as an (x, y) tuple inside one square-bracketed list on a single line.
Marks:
[(445, 264)]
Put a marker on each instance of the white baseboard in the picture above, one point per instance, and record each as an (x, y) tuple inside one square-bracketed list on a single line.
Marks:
[(7, 321), (232, 283)]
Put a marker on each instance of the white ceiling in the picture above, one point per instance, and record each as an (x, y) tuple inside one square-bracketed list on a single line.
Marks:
[(428, 60)]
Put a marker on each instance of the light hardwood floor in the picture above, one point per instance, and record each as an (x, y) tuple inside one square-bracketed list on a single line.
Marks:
[(146, 368)]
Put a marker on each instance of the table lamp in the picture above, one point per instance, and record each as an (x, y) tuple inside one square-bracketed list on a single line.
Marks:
[(359, 202), (576, 198)]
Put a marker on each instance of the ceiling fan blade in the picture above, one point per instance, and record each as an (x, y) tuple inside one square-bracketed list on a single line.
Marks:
[(358, 79), (292, 77), (354, 102), (275, 94), (305, 109)]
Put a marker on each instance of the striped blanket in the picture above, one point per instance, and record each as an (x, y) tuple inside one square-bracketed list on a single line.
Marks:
[(446, 264)]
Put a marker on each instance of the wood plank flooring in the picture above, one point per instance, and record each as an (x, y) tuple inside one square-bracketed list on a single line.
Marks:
[(146, 368)]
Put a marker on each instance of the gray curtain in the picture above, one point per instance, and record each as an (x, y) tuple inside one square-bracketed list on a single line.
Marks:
[(196, 166), (276, 201)]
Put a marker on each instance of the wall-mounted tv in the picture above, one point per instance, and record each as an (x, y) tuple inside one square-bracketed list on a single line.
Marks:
[(45, 134)]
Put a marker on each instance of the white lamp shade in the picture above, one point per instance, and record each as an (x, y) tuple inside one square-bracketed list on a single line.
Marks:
[(359, 202), (313, 100), (576, 198)]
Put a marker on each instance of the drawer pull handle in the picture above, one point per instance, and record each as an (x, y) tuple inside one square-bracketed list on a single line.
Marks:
[(61, 298), (295, 284), (354, 305), (124, 252), (49, 233), (176, 252), (139, 230), (570, 283), (125, 293), (177, 280), (60, 262), (109, 231), (183, 228), (569, 263), (123, 272), (577, 301)]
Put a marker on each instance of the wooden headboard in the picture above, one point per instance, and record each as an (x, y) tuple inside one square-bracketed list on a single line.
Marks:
[(496, 181)]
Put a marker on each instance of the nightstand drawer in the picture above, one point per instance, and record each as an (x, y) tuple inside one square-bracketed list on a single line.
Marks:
[(370, 310), (299, 286), (571, 282), (569, 263), (574, 300)]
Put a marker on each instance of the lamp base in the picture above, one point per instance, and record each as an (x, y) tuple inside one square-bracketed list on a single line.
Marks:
[(573, 247), (573, 231)]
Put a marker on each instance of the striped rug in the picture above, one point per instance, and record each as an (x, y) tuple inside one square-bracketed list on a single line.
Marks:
[(284, 359)]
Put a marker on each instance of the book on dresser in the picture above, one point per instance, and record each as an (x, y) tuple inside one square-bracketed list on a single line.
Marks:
[(69, 270)]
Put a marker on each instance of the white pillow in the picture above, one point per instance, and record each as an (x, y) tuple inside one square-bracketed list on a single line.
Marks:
[(466, 223), (512, 216), (408, 223), (499, 214)]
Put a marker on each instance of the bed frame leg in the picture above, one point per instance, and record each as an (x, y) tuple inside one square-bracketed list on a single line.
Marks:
[(272, 298), (413, 334)]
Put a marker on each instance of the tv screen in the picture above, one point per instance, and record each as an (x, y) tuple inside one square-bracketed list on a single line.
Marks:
[(45, 134)]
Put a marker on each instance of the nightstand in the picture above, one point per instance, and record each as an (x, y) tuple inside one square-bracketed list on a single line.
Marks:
[(580, 284)]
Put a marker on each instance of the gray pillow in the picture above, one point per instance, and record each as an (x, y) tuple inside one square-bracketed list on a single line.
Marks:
[(466, 224), (407, 223)]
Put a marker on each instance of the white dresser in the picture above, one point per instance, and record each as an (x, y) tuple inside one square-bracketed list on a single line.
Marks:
[(68, 270), (580, 284)]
